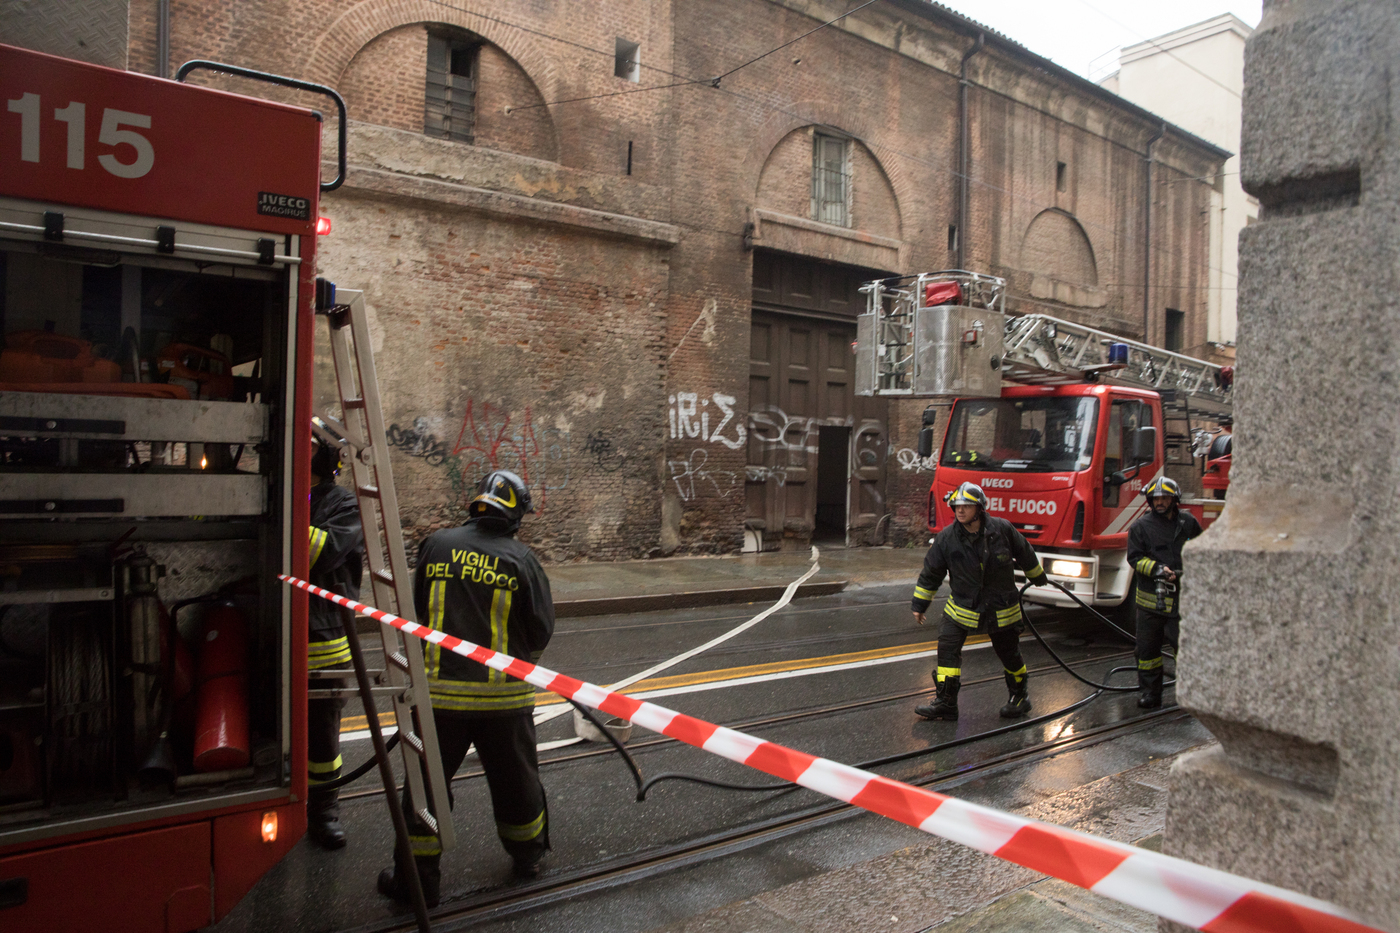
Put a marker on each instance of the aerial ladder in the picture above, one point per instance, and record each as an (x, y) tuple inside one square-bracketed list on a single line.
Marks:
[(947, 334), (1060, 423)]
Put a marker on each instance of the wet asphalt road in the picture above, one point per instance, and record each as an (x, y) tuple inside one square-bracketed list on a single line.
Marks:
[(794, 667)]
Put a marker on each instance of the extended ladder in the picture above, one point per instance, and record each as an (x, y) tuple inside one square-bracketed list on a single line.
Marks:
[(947, 334), (1043, 350), (366, 450)]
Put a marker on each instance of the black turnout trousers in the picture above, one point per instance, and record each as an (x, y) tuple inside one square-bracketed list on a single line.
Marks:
[(505, 743), (1153, 630), (1006, 642)]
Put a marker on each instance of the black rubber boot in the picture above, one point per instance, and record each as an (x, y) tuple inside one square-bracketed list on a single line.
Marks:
[(528, 866), (1150, 688), (1019, 702), (323, 819), (392, 884), (945, 701)]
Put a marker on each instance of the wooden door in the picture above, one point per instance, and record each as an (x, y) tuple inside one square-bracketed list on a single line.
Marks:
[(801, 377)]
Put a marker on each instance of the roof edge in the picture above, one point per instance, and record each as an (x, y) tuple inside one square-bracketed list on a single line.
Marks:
[(936, 12)]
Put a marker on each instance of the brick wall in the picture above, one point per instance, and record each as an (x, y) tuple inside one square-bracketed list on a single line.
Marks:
[(513, 346), (537, 306), (386, 80)]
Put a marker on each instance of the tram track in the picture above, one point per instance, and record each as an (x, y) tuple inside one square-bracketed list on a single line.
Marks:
[(760, 722), (497, 902)]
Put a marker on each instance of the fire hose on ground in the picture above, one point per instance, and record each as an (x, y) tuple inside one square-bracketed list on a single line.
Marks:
[(1200, 897)]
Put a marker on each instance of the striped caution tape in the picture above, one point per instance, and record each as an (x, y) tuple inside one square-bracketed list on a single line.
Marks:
[(1199, 897)]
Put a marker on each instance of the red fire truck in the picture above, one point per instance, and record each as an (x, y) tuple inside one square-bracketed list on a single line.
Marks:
[(1060, 424), (157, 261)]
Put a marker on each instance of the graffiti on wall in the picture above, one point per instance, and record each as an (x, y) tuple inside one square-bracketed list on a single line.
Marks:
[(911, 462), (690, 419), (491, 437), (775, 429), (762, 474), (417, 442), (495, 438), (605, 457), (692, 479)]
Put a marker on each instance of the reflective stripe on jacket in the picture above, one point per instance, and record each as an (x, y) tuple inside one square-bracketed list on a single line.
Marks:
[(336, 541), (1154, 541), (482, 585), (981, 572)]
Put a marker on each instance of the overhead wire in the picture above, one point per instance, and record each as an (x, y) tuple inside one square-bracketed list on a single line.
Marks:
[(1160, 48)]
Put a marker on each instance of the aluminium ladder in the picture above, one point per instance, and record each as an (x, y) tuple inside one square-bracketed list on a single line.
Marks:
[(366, 450)]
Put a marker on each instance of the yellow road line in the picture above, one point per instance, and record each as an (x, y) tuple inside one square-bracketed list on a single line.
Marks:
[(356, 723)]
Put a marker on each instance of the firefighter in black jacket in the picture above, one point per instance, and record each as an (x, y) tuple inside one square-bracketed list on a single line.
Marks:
[(481, 584), (976, 553), (1154, 550), (336, 542)]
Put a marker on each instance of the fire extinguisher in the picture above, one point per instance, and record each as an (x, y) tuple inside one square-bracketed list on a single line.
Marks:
[(146, 623), (221, 719)]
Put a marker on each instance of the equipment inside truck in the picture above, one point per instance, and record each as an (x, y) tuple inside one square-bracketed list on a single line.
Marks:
[(142, 647)]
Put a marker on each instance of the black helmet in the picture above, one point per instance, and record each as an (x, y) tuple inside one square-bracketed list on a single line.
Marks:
[(1162, 486), (325, 459), (968, 494), (501, 494)]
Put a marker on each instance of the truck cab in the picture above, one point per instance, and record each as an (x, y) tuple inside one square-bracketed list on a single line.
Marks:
[(1065, 464)]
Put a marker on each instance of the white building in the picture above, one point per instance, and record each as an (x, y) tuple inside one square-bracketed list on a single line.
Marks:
[(1194, 77)]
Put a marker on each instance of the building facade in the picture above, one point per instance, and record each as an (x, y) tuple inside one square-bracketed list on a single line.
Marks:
[(617, 247), (1195, 78)]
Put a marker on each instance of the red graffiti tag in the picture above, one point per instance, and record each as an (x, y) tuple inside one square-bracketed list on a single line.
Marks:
[(492, 445)]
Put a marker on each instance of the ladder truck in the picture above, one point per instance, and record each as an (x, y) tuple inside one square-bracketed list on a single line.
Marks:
[(157, 263), (1060, 424)]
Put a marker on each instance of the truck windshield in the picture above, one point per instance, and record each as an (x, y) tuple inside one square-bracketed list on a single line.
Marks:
[(1028, 435)]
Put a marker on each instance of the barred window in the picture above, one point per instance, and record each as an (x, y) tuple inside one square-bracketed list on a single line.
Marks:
[(831, 188), (450, 106)]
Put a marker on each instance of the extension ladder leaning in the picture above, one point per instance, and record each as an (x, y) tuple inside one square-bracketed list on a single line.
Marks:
[(365, 449)]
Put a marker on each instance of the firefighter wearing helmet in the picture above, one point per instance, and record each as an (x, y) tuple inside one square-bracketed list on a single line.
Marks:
[(479, 583), (1154, 551), (336, 541), (978, 554)]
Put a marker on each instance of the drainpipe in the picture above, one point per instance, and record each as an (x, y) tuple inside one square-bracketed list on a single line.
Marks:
[(1147, 234), (964, 150), (163, 39)]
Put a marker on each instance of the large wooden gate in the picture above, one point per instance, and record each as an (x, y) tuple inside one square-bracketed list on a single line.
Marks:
[(801, 396)]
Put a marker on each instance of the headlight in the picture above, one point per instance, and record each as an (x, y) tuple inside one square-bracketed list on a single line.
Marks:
[(1069, 568)]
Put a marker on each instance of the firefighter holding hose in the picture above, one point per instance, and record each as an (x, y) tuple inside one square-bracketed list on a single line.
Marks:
[(335, 547), (1154, 551), (978, 554), (479, 583)]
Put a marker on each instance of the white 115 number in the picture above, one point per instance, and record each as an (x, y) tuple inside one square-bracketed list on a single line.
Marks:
[(75, 115)]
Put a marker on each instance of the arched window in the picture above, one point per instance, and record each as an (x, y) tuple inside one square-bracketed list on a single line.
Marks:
[(449, 108), (1055, 245)]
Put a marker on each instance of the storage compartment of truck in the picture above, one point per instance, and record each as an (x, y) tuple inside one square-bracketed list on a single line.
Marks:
[(141, 445)]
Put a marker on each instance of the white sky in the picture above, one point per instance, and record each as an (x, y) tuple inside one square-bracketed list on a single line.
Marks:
[(1076, 34)]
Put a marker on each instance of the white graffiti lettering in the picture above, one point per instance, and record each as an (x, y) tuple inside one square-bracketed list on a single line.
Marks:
[(762, 474), (910, 461), (690, 418), (685, 473)]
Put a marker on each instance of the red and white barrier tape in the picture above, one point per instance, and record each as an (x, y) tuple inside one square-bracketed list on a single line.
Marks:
[(1204, 898)]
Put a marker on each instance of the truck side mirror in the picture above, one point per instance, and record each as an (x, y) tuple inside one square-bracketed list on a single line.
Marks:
[(1144, 445), (926, 442)]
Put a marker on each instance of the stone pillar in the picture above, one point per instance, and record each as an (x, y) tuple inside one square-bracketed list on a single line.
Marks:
[(1290, 648)]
